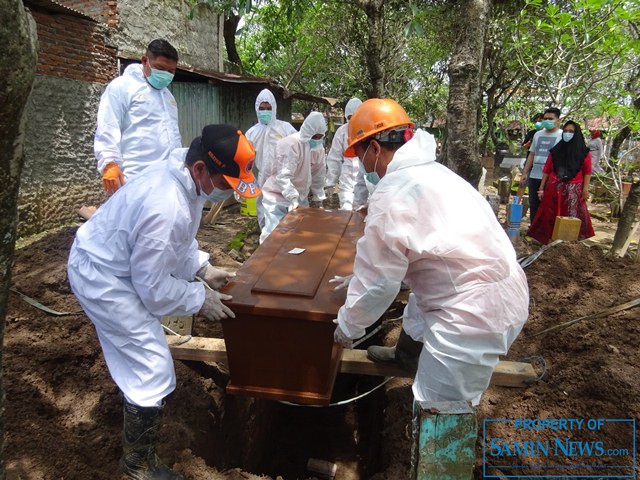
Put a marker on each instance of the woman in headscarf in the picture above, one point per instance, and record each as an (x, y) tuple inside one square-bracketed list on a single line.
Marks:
[(564, 189)]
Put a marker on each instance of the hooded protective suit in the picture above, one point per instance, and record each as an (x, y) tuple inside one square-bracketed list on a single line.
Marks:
[(137, 124), (339, 167), (264, 139), (134, 261), (298, 168), (428, 227)]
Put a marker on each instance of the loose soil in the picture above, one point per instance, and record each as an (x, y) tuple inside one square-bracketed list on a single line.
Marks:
[(63, 412)]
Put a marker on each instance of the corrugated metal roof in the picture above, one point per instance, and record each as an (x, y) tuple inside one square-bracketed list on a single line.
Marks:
[(234, 78), (53, 6)]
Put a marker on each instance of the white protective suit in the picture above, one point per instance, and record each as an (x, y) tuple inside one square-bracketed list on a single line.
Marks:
[(428, 227), (298, 168), (134, 261), (137, 124), (264, 139), (341, 169)]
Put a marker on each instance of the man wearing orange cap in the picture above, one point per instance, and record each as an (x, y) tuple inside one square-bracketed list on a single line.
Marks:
[(427, 227), (137, 259)]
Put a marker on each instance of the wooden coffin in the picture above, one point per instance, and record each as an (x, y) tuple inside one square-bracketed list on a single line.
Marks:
[(280, 345)]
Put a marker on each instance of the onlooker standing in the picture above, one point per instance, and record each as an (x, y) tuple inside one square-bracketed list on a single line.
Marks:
[(542, 142), (564, 188), (299, 167), (597, 150), (264, 135), (138, 117), (537, 123), (341, 169)]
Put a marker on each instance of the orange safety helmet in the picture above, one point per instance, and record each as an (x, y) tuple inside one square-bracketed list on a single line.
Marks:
[(374, 116)]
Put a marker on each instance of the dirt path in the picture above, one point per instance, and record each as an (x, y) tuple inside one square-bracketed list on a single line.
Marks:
[(63, 413)]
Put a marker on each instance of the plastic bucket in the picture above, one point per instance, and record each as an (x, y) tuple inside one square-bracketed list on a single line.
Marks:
[(248, 207)]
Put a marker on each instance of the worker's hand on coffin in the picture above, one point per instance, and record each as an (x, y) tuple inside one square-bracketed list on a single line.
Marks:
[(343, 282), (213, 308), (340, 337), (216, 278), (293, 204), (112, 177)]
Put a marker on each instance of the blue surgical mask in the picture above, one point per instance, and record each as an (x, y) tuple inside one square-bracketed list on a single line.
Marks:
[(566, 136), (315, 143), (372, 177), (159, 79), (548, 124), (265, 116), (537, 125), (217, 194)]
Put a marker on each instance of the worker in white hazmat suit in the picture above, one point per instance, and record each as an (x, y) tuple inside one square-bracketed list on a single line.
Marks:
[(299, 167), (340, 169), (137, 259), (138, 117), (264, 135), (428, 227)]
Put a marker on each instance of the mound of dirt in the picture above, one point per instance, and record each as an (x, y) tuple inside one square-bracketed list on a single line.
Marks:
[(63, 412)]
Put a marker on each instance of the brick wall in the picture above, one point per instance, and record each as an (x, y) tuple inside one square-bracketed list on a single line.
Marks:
[(73, 48), (104, 11)]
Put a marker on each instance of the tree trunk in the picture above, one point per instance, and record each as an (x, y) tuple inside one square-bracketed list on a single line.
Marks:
[(229, 33), (17, 69), (627, 223), (464, 90), (622, 135), (374, 9)]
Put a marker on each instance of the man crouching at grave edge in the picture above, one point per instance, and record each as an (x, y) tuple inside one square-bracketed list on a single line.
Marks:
[(136, 260), (429, 228)]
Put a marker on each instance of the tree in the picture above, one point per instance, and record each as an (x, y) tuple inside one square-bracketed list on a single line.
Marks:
[(17, 70), (628, 223), (461, 146), (570, 48)]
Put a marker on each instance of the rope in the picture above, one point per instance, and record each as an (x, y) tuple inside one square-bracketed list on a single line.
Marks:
[(538, 363), (38, 305), (604, 313), (180, 342), (342, 402), (526, 261)]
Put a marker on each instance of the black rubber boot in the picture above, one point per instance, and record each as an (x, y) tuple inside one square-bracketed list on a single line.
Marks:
[(406, 353), (139, 460)]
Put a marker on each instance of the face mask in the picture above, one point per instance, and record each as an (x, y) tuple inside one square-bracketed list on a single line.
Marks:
[(566, 136), (548, 124), (315, 143), (370, 186), (537, 125), (217, 195), (371, 177), (159, 79), (264, 116)]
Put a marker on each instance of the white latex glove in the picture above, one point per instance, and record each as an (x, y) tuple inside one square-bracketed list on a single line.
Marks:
[(294, 204), (343, 282), (216, 278), (213, 308), (341, 338)]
